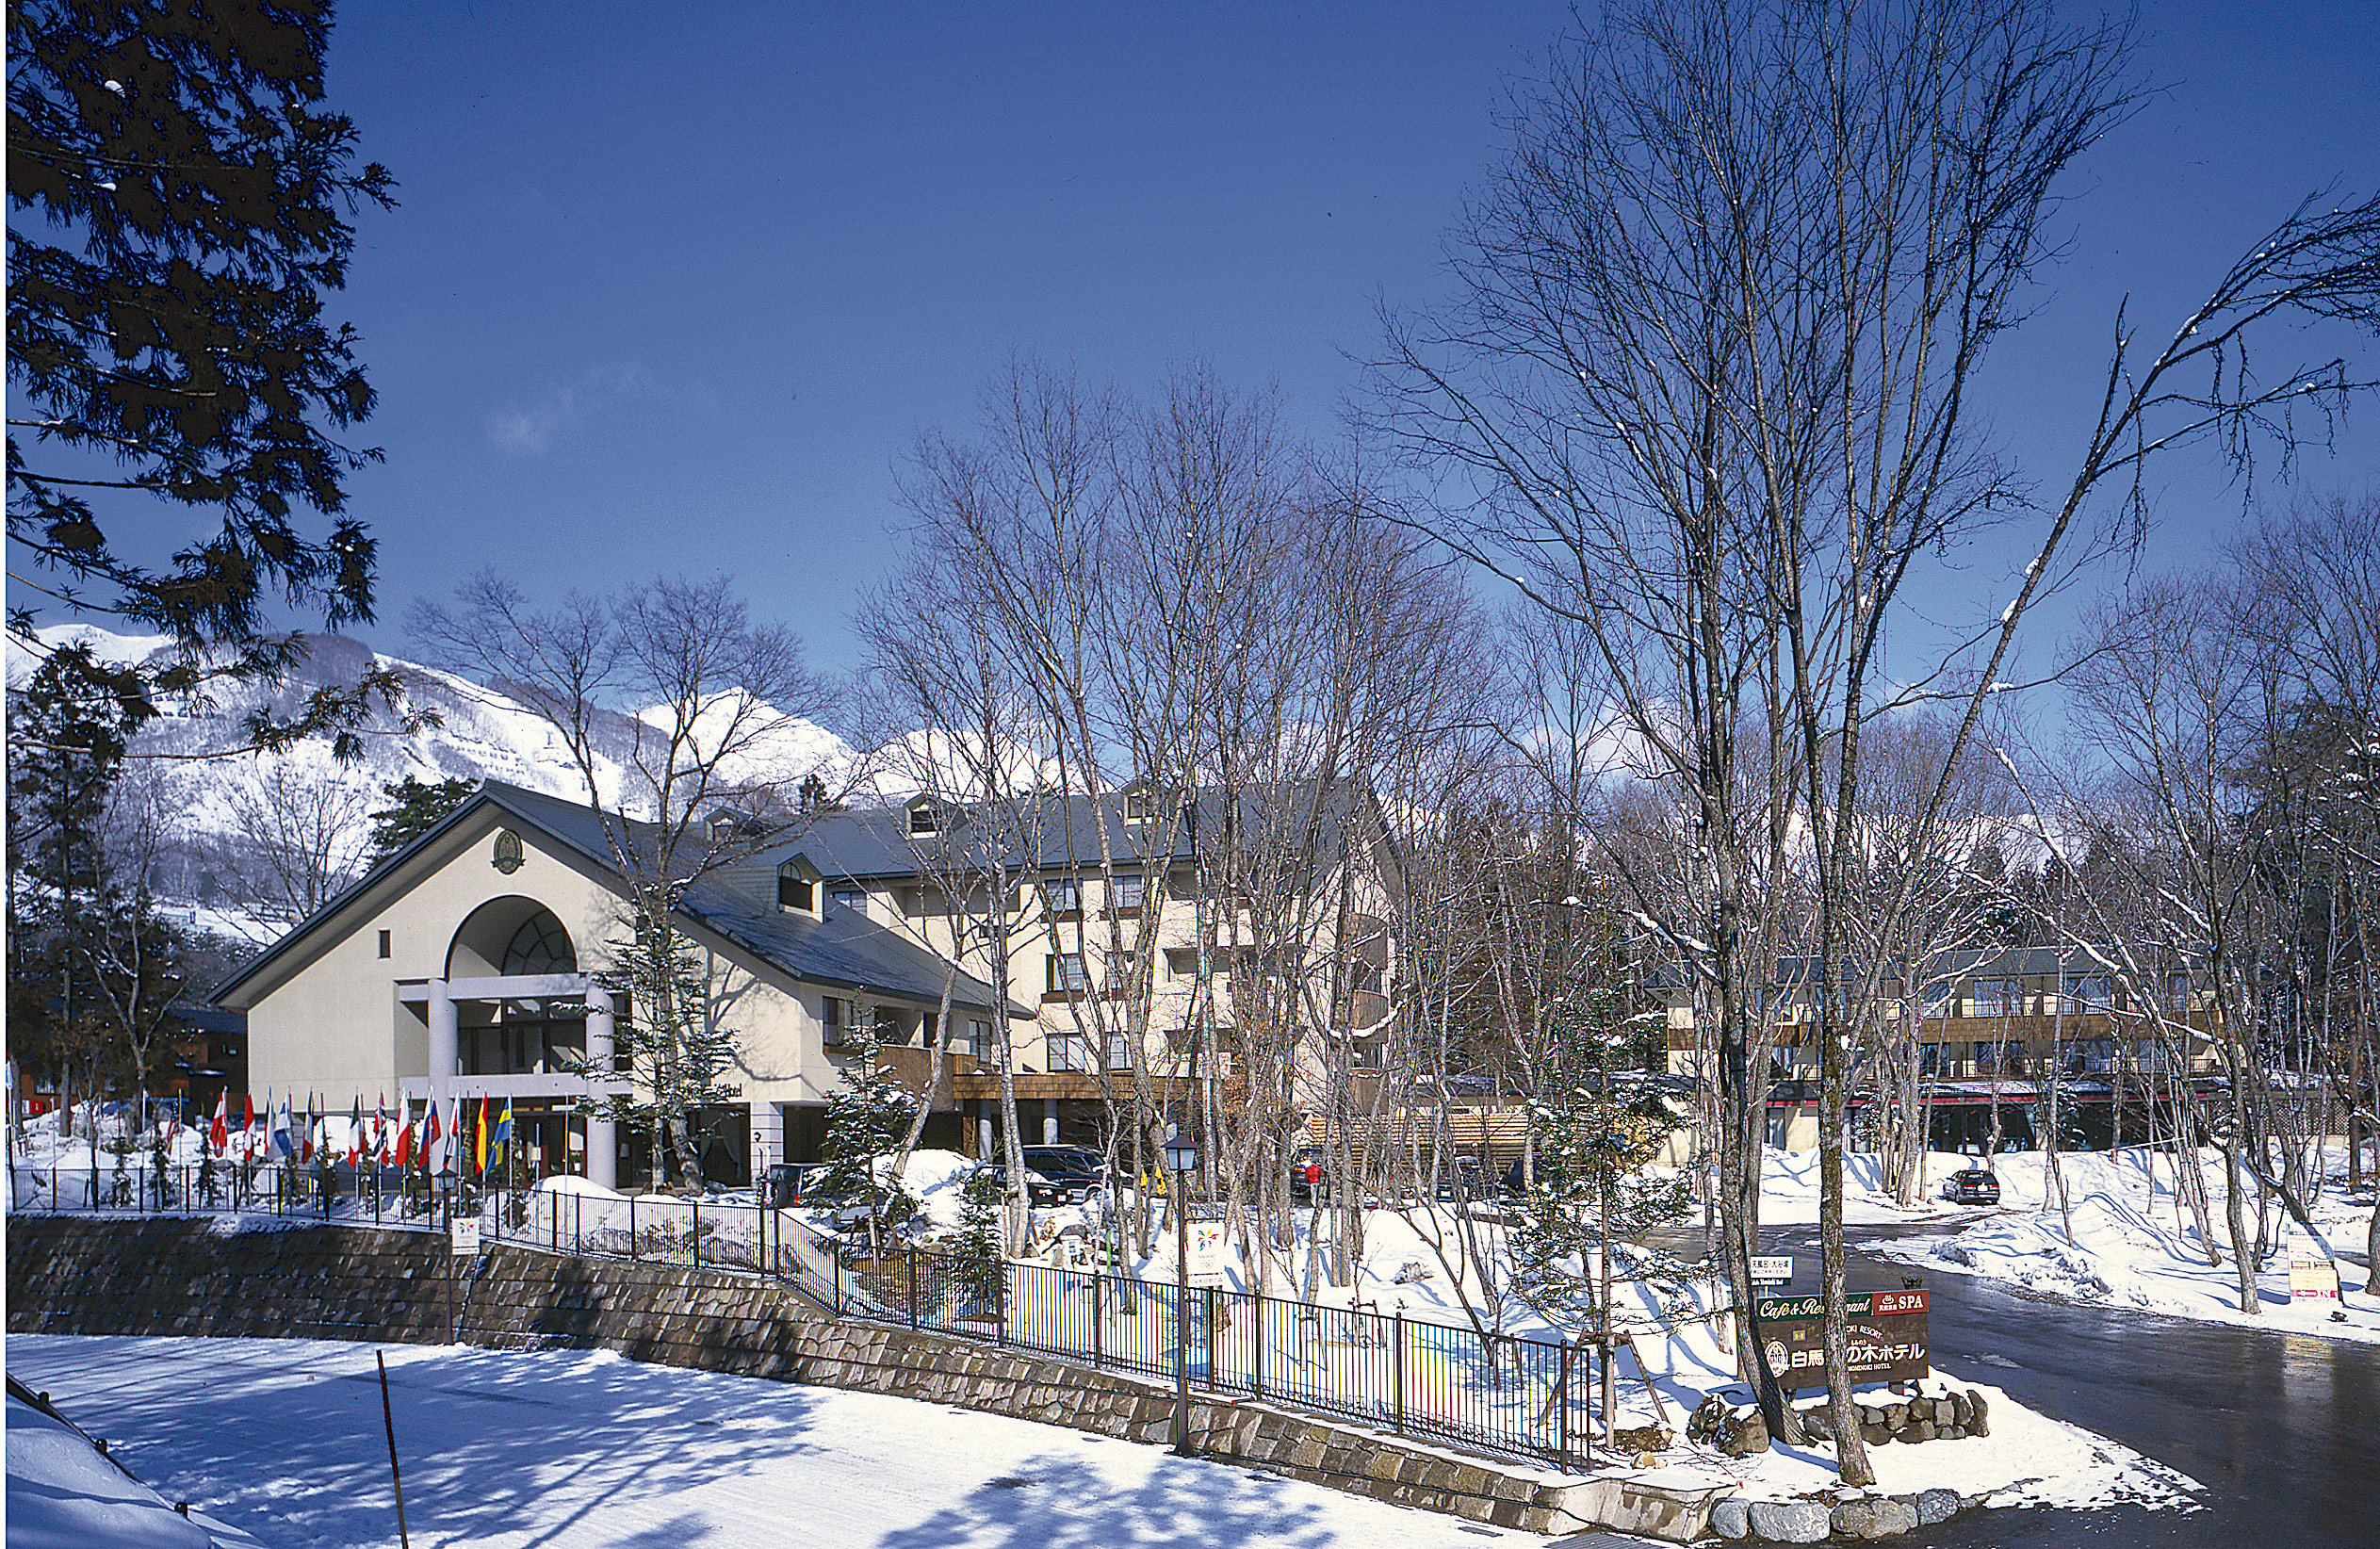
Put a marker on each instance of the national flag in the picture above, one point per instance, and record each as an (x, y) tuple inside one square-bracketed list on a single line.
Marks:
[(404, 1143), (283, 1143), (503, 1132), (479, 1159), (220, 1136), (431, 1136), (355, 1131), (305, 1142), (381, 1137)]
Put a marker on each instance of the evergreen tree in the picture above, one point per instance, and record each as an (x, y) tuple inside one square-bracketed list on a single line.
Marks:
[(1578, 1233), (866, 1118), (670, 1046), (176, 197), (983, 1266), (420, 806), (67, 728)]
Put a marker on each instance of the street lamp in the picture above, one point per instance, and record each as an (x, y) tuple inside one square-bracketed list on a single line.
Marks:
[(1182, 1156)]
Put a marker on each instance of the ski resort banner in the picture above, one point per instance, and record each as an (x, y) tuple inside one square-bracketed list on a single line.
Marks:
[(1885, 1339)]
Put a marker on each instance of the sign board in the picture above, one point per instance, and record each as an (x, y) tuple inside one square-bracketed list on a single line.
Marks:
[(1206, 1254), (463, 1235), (1777, 1271), (2313, 1279), (1885, 1337)]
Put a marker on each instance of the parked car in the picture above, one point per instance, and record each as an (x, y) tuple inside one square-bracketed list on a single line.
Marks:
[(1466, 1180), (1972, 1186), (789, 1183), (1042, 1191), (1067, 1161)]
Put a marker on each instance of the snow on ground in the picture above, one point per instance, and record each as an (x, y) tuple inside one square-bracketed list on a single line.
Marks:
[(2130, 1247), (1789, 1188), (2028, 1458), (504, 1450), (63, 1494)]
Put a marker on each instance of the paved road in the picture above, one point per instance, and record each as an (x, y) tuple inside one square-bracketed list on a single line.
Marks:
[(2283, 1429)]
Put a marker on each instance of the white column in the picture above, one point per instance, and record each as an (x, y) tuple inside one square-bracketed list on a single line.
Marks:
[(603, 1141), (768, 1137), (1049, 1121), (445, 1045)]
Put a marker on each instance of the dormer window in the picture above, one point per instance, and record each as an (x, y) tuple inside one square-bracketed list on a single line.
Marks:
[(924, 820), (794, 892)]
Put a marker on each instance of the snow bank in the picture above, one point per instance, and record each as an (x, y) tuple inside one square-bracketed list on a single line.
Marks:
[(569, 1184), (2132, 1247), (63, 1494)]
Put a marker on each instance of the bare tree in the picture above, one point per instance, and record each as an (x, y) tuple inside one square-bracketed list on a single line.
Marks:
[(1738, 278), (688, 724), (297, 837)]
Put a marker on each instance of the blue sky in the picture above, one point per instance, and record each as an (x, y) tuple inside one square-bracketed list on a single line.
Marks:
[(673, 288)]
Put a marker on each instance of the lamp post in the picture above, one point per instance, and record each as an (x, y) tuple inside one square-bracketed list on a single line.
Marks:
[(1182, 1156)]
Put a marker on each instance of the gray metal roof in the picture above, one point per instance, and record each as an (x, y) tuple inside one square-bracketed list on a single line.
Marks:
[(843, 951)]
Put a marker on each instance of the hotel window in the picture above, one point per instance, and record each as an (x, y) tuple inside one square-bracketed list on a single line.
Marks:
[(834, 1018), (1065, 895), (1998, 998), (1126, 891), (2000, 1059), (854, 898), (2092, 992), (1937, 997), (1066, 975)]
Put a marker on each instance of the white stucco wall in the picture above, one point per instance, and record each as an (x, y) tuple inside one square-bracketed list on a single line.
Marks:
[(328, 1019)]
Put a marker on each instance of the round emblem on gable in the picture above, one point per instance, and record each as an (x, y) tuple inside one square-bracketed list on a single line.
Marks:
[(508, 855)]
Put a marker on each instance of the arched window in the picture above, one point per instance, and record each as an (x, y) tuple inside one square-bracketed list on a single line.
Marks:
[(540, 946)]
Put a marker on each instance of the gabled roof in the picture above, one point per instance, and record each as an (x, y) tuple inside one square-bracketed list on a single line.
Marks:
[(843, 950)]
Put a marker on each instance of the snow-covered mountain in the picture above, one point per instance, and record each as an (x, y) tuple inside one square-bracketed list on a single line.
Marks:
[(485, 733)]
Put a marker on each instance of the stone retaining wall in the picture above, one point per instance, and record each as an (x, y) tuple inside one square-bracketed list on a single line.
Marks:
[(185, 1278)]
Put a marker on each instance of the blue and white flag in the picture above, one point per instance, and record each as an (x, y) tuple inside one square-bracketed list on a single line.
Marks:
[(283, 1142)]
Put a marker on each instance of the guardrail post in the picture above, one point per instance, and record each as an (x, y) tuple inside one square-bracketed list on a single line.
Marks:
[(632, 1229), (913, 1287), (697, 1203), (1400, 1371), (1099, 1323), (1255, 1305), (1561, 1409)]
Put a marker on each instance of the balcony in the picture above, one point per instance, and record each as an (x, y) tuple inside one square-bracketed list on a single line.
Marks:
[(911, 1068)]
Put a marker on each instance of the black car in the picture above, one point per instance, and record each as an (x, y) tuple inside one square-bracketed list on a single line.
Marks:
[(1067, 1162), (1974, 1186), (1042, 1191)]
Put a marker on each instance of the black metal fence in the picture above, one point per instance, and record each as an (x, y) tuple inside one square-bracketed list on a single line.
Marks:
[(1499, 1393), (385, 1197)]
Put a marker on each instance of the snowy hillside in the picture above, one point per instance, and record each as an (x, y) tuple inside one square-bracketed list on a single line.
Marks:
[(484, 734)]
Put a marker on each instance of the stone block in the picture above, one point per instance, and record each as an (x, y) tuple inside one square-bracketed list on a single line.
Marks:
[(1893, 1517), (1936, 1505), (1791, 1521), (1730, 1518)]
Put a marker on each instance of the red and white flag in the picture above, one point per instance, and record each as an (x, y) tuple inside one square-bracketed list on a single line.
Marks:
[(430, 1139), (220, 1136), (404, 1146)]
